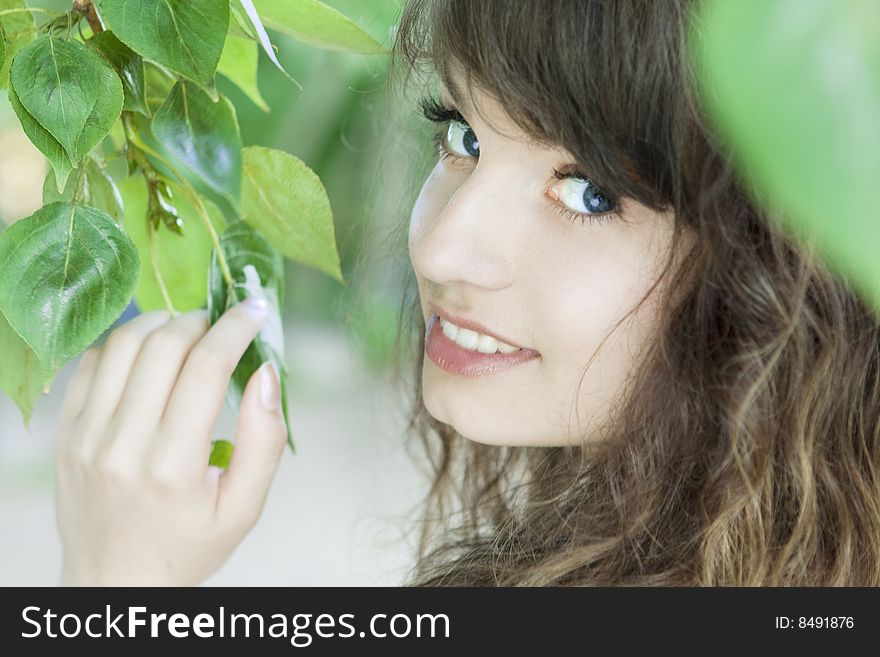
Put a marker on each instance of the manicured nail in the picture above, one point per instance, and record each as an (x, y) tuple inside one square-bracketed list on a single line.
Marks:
[(270, 387), (256, 307)]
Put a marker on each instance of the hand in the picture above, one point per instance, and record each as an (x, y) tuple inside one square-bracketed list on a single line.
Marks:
[(136, 502)]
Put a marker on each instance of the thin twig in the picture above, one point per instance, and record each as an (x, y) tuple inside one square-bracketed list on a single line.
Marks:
[(154, 261)]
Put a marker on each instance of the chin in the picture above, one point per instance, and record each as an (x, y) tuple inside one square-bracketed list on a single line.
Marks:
[(471, 424), (452, 406)]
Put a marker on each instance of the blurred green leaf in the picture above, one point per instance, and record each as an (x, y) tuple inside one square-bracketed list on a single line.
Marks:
[(45, 142), (257, 24), (203, 136), (183, 260), (129, 66), (257, 270), (315, 23), (2, 46), (186, 37), (91, 186), (20, 31), (221, 453), (285, 201), (20, 376), (86, 267), (239, 64), (794, 90), (70, 90)]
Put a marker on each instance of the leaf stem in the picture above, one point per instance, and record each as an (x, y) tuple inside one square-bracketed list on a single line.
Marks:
[(77, 190), (154, 261)]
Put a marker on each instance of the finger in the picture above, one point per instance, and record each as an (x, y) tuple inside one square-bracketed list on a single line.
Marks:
[(78, 388), (155, 371), (199, 393), (259, 442), (117, 357)]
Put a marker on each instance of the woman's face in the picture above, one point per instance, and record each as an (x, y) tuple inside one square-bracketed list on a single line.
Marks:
[(498, 238)]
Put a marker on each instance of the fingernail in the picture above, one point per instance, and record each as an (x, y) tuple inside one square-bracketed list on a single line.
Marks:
[(255, 307), (270, 387)]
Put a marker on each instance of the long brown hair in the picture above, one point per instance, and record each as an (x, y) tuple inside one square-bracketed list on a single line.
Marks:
[(746, 450)]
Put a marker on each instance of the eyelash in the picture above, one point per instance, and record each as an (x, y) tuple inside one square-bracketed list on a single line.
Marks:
[(436, 112)]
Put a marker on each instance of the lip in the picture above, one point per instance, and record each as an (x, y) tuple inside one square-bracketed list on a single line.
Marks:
[(474, 326), (454, 359)]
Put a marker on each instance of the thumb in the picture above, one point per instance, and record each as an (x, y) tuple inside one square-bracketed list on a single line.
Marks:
[(260, 438)]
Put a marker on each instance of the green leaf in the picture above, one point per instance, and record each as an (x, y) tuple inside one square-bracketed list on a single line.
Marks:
[(203, 136), (239, 64), (20, 31), (240, 25), (186, 37), (2, 46), (183, 260), (285, 201), (257, 270), (799, 109), (70, 89), (20, 376), (314, 22), (263, 37), (128, 65), (89, 185), (79, 271), (221, 453), (46, 143)]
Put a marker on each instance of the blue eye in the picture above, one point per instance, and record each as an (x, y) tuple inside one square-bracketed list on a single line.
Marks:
[(581, 195), (461, 140)]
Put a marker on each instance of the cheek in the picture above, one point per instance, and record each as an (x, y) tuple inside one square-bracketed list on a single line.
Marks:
[(586, 296)]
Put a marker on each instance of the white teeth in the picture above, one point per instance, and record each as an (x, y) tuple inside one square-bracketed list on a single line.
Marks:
[(467, 338), (449, 330), (487, 344), (474, 341)]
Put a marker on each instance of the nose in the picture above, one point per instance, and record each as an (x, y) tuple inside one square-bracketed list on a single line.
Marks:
[(459, 235)]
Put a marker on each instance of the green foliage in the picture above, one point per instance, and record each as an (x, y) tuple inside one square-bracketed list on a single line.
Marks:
[(239, 64), (285, 201), (202, 136), (85, 267), (181, 260), (257, 270), (89, 185), (130, 67), (19, 31), (799, 108), (221, 453), (120, 97), (253, 24), (315, 23), (43, 140), (186, 37), (20, 376), (70, 90)]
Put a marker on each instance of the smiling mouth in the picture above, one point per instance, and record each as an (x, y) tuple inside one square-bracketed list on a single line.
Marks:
[(472, 335), (475, 341), (466, 352)]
